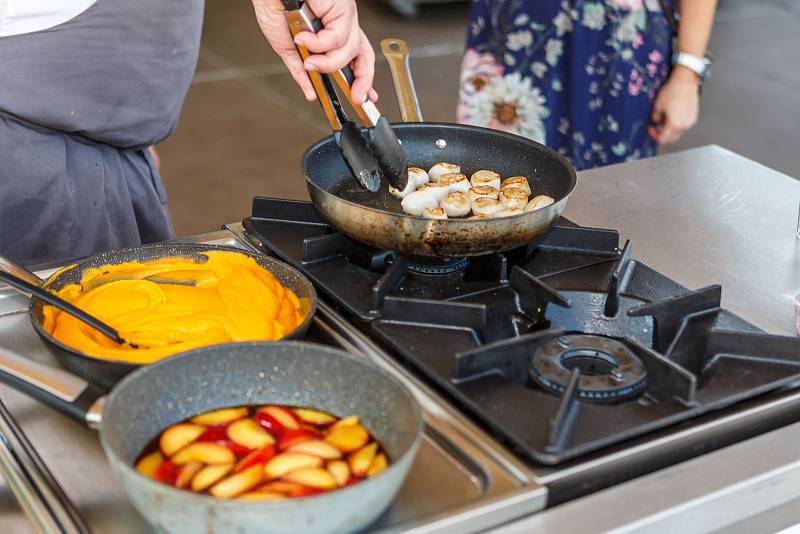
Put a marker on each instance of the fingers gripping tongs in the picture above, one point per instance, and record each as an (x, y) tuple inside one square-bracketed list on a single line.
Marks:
[(368, 159)]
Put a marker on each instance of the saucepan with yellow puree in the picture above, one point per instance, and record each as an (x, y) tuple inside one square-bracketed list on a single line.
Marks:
[(166, 299)]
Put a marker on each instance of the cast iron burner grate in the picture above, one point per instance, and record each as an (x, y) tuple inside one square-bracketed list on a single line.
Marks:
[(474, 332)]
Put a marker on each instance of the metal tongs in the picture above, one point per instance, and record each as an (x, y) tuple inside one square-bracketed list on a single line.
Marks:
[(369, 159)]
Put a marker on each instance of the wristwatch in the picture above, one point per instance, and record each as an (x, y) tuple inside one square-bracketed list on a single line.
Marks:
[(699, 65)]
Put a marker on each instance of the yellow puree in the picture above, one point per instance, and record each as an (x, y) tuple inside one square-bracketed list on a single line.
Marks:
[(232, 299)]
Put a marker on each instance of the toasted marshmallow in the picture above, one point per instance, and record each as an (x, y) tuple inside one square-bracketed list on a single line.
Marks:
[(434, 213), (539, 202), (455, 182), (485, 178), (486, 206), (508, 212), (482, 191), (513, 197), (456, 204), (416, 202), (479, 217), (418, 176), (517, 181), (440, 169), (410, 188), (439, 191)]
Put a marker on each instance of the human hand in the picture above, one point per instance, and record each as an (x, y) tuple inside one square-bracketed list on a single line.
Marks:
[(341, 42), (676, 107)]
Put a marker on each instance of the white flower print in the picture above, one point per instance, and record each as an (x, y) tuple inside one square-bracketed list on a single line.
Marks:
[(516, 41), (512, 104), (594, 16), (521, 20), (626, 30), (563, 23), (653, 6), (553, 50), (538, 69)]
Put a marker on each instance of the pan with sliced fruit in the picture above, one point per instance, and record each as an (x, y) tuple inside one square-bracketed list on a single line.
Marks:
[(263, 453), (247, 437)]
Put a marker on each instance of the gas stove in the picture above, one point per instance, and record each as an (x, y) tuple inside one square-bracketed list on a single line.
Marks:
[(567, 351)]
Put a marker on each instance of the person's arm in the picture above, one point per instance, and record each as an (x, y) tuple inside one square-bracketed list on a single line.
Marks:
[(677, 104), (340, 43)]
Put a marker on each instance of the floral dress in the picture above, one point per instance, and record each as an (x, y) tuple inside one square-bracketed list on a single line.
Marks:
[(579, 76)]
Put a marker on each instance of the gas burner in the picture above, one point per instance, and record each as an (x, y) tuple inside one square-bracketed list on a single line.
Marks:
[(435, 266), (609, 371)]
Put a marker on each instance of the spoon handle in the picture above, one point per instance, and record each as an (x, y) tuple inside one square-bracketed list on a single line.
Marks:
[(61, 304)]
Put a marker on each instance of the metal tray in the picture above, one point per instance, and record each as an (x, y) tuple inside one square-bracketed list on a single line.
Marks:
[(461, 479)]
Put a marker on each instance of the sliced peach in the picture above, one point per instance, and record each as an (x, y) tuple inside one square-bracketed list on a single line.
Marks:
[(286, 418), (350, 420), (290, 437), (209, 475), (287, 461), (220, 417), (316, 447), (290, 489), (362, 459), (238, 483), (260, 496), (258, 456), (269, 423), (186, 473), (248, 433), (149, 463), (207, 453), (178, 436), (379, 463), (348, 438), (313, 416), (313, 477), (340, 471)]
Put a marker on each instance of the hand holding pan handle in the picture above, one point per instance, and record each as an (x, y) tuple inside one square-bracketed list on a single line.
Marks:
[(55, 387)]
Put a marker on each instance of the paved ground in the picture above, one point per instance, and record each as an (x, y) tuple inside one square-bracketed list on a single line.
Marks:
[(244, 125)]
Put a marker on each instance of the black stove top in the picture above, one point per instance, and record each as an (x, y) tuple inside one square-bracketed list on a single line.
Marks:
[(561, 347)]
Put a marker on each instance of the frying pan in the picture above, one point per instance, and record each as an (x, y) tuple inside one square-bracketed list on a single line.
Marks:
[(174, 389), (105, 372), (377, 218)]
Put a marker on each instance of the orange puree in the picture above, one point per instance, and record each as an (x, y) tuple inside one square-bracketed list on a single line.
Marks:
[(230, 298)]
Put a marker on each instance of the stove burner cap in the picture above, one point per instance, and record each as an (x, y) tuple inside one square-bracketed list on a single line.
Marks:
[(609, 370), (437, 265)]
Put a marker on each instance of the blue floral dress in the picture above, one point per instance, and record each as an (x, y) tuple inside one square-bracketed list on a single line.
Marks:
[(579, 76)]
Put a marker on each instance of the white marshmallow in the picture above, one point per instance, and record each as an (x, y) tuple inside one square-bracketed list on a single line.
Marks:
[(416, 202)]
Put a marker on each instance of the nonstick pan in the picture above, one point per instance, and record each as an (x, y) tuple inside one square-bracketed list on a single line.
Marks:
[(105, 372), (377, 219), (172, 390)]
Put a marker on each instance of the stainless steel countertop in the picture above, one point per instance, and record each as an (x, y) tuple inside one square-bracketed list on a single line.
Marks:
[(705, 216), (701, 216)]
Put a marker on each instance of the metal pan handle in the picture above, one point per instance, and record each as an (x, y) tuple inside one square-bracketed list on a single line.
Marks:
[(396, 53), (55, 387), (19, 271)]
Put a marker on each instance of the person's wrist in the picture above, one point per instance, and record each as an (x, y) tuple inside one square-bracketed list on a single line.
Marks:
[(684, 75)]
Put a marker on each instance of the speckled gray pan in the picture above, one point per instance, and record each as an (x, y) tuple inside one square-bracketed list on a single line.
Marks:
[(106, 373), (293, 373)]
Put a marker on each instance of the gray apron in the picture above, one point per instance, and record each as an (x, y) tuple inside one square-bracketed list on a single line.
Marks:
[(79, 105)]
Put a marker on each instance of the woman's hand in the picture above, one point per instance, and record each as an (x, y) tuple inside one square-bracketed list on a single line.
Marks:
[(676, 107), (340, 43)]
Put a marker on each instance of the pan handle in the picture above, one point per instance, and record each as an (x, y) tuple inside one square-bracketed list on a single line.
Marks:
[(67, 393), (19, 271), (396, 53)]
